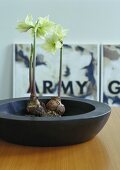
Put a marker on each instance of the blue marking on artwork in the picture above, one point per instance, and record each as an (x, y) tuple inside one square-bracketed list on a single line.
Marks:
[(19, 56), (67, 46), (79, 48), (90, 71), (67, 72), (39, 60), (115, 100), (105, 98)]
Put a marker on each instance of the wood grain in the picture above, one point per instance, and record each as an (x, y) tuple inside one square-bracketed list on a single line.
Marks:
[(100, 153)]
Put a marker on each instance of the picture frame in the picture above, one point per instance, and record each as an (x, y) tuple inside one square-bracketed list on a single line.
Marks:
[(80, 71), (110, 82)]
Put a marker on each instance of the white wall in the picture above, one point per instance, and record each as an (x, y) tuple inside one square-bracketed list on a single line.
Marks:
[(88, 21)]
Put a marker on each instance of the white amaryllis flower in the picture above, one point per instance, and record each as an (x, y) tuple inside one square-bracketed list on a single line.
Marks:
[(42, 26), (55, 41), (52, 43)]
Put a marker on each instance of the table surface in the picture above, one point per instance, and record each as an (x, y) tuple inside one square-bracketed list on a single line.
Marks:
[(100, 153)]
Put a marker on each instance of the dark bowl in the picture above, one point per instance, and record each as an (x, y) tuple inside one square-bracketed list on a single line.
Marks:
[(82, 121)]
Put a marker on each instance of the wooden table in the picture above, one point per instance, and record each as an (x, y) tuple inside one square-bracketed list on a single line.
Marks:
[(100, 153)]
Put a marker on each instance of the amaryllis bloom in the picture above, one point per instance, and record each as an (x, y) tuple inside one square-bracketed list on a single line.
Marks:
[(44, 26), (41, 26), (52, 43), (55, 41)]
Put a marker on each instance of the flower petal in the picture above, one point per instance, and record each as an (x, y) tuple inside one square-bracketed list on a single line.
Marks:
[(44, 26), (23, 27), (60, 32), (29, 20)]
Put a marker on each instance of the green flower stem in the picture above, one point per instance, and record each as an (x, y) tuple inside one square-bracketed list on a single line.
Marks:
[(60, 74), (34, 65), (31, 68)]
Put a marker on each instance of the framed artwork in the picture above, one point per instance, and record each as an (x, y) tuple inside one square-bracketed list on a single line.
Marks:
[(80, 73), (110, 70)]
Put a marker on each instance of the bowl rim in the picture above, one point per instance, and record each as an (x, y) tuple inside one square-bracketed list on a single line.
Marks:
[(101, 109)]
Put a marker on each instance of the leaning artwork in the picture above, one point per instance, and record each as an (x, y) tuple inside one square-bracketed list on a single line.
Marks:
[(80, 75), (111, 69)]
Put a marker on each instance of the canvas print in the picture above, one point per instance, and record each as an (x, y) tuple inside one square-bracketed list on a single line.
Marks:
[(80, 74), (111, 70)]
